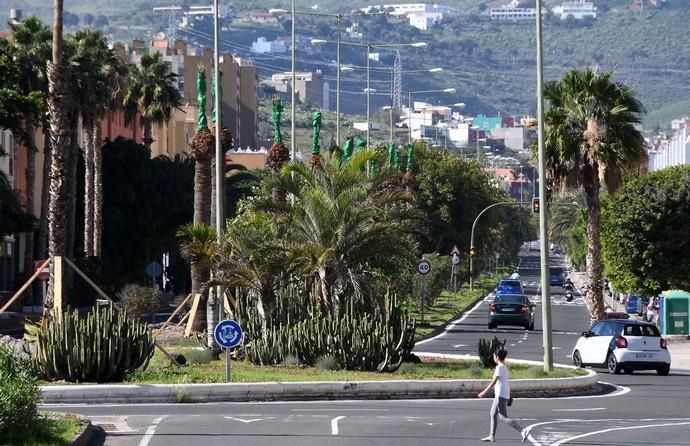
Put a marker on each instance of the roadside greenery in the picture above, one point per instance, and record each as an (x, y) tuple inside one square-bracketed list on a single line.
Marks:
[(645, 231)]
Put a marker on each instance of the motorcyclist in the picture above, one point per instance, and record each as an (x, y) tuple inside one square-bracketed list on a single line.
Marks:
[(568, 285)]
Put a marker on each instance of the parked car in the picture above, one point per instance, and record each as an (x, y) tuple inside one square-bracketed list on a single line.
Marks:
[(510, 286), (511, 309), (556, 250), (632, 303), (620, 344)]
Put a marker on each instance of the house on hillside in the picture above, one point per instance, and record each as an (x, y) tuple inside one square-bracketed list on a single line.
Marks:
[(578, 10), (639, 5)]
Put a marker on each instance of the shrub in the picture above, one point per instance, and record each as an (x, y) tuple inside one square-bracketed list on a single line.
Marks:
[(197, 356), (140, 300), (328, 362), (18, 395), (486, 350)]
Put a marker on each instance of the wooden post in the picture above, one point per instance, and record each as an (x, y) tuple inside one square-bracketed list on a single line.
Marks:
[(192, 313), (179, 307), (24, 287), (57, 286)]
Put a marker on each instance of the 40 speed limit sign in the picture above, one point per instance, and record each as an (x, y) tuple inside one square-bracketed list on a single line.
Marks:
[(423, 267)]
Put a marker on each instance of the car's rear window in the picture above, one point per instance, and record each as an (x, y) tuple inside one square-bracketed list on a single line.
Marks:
[(512, 283), (641, 330), (508, 299)]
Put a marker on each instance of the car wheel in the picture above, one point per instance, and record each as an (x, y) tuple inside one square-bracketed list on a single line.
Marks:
[(531, 326), (491, 326), (612, 364), (577, 359), (628, 371), (663, 370)]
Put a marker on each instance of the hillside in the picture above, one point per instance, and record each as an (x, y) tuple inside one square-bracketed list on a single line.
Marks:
[(491, 64)]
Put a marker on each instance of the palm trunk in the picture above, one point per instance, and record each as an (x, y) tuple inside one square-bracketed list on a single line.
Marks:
[(97, 189), (594, 267), (42, 241), (147, 133), (30, 186), (202, 209), (88, 186), (70, 223), (59, 135)]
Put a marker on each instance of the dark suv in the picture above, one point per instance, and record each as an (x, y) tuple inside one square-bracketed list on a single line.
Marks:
[(511, 309)]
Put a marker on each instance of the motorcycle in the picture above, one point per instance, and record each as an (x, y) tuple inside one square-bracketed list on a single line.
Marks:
[(568, 295)]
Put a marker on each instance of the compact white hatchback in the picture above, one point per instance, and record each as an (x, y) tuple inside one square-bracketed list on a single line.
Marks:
[(623, 344)]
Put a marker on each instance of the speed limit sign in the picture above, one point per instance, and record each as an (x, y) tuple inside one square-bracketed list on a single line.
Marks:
[(423, 267)]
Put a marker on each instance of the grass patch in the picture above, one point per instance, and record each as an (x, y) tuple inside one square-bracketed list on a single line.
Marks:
[(449, 305), (53, 430), (161, 371)]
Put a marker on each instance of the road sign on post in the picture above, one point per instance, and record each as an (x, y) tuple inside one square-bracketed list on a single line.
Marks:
[(228, 334), (423, 267), (455, 251)]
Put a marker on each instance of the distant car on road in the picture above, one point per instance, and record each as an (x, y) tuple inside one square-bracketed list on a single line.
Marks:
[(616, 315), (556, 250), (620, 344), (632, 304), (510, 286), (511, 309), (555, 277)]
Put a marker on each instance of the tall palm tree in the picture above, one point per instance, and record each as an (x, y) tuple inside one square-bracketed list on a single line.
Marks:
[(60, 148), (340, 221), (31, 40), (152, 93), (96, 69), (591, 140)]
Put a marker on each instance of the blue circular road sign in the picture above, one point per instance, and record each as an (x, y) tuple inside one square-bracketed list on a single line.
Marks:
[(228, 334)]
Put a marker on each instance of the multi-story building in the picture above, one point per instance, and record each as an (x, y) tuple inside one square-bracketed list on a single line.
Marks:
[(674, 151), (310, 87), (579, 9)]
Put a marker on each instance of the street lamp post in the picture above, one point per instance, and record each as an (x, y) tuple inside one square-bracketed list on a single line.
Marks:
[(293, 95)]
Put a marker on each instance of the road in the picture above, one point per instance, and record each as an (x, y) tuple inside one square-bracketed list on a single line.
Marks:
[(644, 409)]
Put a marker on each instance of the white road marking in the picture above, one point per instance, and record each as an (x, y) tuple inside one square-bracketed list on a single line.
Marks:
[(604, 431), (337, 410), (251, 420), (460, 345), (151, 431), (334, 424), (580, 410)]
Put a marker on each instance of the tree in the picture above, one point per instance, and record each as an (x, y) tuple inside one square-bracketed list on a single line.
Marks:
[(31, 40), (12, 218), (58, 108), (88, 19), (101, 21), (644, 232), (152, 93), (339, 222), (591, 138)]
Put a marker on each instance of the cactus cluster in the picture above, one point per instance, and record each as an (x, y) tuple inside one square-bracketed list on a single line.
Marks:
[(100, 346), (372, 341), (486, 349)]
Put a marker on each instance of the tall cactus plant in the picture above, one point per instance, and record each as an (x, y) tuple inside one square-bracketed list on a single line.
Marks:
[(409, 180), (99, 347)]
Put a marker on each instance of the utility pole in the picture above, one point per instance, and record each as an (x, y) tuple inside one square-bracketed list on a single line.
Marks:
[(543, 234), (293, 96)]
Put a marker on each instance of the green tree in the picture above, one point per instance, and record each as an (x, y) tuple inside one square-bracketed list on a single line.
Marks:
[(339, 222), (644, 232), (591, 139), (12, 218), (152, 93)]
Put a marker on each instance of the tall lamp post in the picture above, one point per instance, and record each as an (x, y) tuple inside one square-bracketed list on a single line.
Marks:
[(368, 90)]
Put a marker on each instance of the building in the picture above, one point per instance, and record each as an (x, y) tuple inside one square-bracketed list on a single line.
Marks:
[(310, 87), (579, 9), (424, 20), (239, 110), (409, 8), (674, 151), (263, 46), (262, 18)]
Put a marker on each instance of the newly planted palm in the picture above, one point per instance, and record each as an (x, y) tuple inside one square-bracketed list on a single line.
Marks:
[(278, 154), (591, 140)]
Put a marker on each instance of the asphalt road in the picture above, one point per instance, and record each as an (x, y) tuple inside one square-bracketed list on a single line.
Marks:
[(644, 409)]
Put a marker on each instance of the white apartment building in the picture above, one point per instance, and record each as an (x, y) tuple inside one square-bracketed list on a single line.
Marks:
[(263, 46), (672, 152), (579, 9), (424, 20), (409, 8)]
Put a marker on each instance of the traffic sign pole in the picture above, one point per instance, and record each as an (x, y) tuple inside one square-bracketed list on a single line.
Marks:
[(227, 365), (228, 334)]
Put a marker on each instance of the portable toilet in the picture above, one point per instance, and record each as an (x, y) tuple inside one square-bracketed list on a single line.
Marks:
[(675, 313)]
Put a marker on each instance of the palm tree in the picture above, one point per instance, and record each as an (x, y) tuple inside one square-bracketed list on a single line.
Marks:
[(591, 138), (96, 68), (152, 93), (339, 223), (58, 110), (31, 40)]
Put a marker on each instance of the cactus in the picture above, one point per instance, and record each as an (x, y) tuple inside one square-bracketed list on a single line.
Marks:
[(99, 347), (486, 350)]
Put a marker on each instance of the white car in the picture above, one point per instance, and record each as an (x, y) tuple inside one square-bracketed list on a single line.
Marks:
[(623, 344)]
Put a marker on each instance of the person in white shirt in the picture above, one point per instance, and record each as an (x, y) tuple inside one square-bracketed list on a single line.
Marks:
[(499, 408)]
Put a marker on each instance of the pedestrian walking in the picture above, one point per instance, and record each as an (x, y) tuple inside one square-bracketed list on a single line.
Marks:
[(502, 399)]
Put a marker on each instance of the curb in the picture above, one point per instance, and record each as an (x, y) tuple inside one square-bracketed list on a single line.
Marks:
[(300, 391)]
